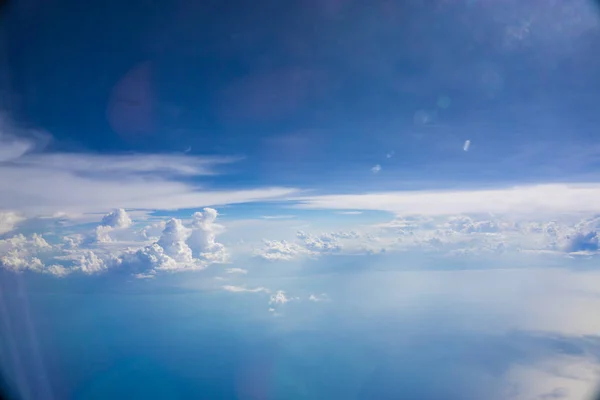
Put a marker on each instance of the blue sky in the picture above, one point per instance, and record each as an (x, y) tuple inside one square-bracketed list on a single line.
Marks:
[(305, 199)]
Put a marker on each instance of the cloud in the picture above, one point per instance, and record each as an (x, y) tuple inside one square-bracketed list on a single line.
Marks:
[(583, 242), (97, 251), (240, 289), (20, 253), (116, 219), (202, 239), (278, 216), (318, 297), (324, 243), (13, 144), (376, 169), (467, 145), (44, 184), (236, 271), (279, 250), (8, 221), (535, 199), (279, 298)]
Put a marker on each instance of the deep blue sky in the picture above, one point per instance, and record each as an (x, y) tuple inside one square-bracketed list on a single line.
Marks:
[(315, 93)]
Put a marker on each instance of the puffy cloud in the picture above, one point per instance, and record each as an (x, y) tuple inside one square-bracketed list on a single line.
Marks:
[(20, 253), (87, 262), (8, 220), (202, 240), (180, 247), (172, 241), (152, 231), (280, 250), (305, 245), (100, 234), (324, 243), (376, 169), (116, 219)]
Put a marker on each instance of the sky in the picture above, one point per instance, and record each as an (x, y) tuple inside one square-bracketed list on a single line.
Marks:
[(309, 199)]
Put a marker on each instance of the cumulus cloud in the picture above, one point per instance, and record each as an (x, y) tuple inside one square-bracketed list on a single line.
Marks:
[(202, 240), (21, 253), (96, 251), (280, 250), (180, 247), (324, 243), (306, 244), (376, 169), (116, 219)]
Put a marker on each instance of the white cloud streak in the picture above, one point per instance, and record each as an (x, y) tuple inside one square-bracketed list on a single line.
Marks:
[(535, 199)]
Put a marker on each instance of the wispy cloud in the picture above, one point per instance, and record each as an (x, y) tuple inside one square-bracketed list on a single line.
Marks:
[(550, 198), (241, 289)]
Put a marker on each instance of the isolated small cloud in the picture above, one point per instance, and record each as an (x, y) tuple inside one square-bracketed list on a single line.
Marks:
[(376, 169), (279, 298), (241, 289), (467, 145), (318, 297), (236, 271)]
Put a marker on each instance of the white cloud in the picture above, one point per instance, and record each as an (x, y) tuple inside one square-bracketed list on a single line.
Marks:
[(20, 253), (280, 250), (279, 297), (236, 271), (12, 145), (278, 216), (44, 184), (467, 145), (324, 243), (116, 219), (202, 240), (318, 297), (241, 289), (8, 221), (179, 247), (537, 199), (376, 169)]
